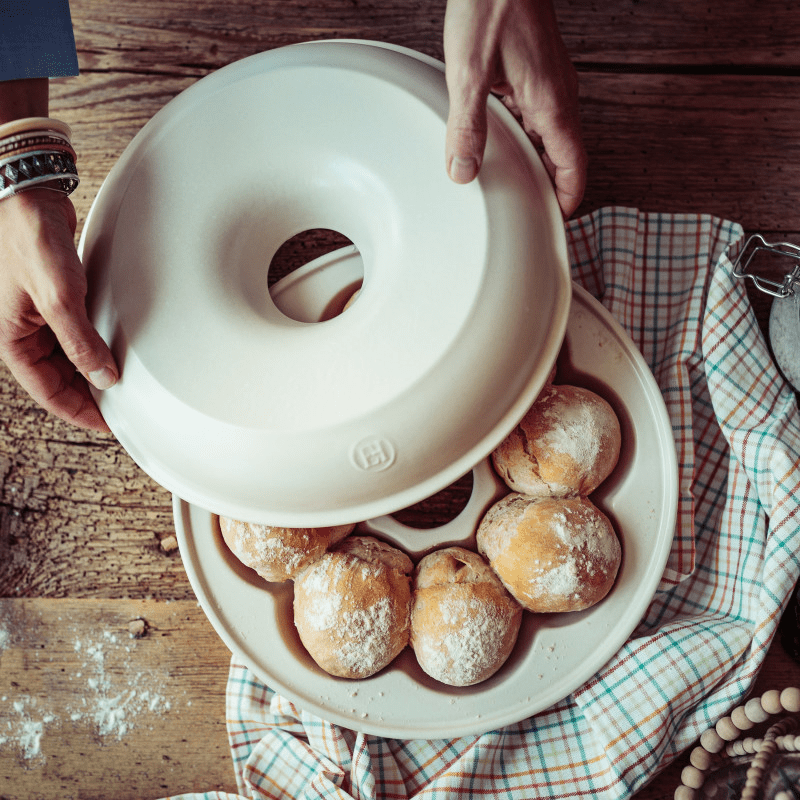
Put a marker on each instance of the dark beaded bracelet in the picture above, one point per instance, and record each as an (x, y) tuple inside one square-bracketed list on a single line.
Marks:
[(54, 169)]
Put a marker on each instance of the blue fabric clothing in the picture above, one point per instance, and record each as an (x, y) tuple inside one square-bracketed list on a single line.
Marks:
[(36, 40)]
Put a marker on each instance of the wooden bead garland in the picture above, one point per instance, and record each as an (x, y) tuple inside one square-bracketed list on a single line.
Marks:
[(723, 740)]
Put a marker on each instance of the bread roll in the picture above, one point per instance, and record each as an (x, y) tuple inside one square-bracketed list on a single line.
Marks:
[(352, 606), (278, 554), (350, 300), (552, 554), (566, 445), (463, 622)]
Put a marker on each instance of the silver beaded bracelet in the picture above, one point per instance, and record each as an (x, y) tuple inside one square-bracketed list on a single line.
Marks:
[(53, 169)]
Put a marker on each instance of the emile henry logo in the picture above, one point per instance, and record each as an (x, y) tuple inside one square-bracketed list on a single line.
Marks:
[(373, 454)]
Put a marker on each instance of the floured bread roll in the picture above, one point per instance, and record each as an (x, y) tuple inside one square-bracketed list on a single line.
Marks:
[(566, 445), (352, 606), (552, 554), (278, 554), (463, 622)]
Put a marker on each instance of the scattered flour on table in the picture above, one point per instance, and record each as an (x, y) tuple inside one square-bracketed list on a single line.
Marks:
[(27, 727), (115, 696), (114, 699)]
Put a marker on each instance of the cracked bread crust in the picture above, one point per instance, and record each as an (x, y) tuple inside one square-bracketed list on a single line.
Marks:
[(565, 446), (552, 554)]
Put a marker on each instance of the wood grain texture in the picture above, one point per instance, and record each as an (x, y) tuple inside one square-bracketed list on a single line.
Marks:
[(737, 36), (184, 37), (718, 144), (89, 712), (77, 517), (686, 107), (181, 37)]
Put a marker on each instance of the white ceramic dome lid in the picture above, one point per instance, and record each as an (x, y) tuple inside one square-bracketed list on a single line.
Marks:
[(241, 410)]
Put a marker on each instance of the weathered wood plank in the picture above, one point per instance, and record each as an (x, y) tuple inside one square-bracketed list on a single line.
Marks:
[(183, 37), (77, 517), (87, 711), (681, 33), (723, 145)]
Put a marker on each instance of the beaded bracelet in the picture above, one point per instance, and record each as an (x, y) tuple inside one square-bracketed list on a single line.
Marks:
[(54, 170), (17, 144), (30, 149), (723, 736), (36, 152)]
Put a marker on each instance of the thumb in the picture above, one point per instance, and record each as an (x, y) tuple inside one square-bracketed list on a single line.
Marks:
[(82, 344), (64, 311), (58, 289), (466, 131)]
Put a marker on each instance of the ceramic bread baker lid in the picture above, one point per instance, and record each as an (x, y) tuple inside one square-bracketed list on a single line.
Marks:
[(244, 411)]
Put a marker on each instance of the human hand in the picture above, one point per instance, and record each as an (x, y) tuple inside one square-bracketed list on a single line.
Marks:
[(512, 48), (46, 338)]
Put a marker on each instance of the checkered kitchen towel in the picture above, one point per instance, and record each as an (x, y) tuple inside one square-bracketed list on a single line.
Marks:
[(735, 558)]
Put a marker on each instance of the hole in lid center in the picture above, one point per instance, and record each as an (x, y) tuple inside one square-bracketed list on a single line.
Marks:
[(302, 249)]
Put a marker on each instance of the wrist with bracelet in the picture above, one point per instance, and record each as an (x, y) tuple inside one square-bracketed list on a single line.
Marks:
[(36, 152)]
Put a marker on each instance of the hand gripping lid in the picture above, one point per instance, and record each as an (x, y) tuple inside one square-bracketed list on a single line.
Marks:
[(244, 411)]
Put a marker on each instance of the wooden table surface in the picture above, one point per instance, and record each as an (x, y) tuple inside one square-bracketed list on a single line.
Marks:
[(686, 107)]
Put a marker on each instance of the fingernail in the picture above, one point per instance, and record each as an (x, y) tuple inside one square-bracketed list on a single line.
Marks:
[(463, 170), (102, 378)]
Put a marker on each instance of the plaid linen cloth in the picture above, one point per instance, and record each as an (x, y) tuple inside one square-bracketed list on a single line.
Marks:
[(735, 559)]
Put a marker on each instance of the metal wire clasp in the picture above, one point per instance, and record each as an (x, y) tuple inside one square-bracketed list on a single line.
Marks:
[(755, 244)]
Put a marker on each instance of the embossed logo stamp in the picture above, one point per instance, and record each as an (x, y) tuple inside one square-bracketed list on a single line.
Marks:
[(373, 454)]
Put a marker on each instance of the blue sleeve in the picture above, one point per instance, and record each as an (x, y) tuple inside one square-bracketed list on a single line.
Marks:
[(36, 40)]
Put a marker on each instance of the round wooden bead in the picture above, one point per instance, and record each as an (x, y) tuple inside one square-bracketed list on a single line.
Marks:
[(735, 749), (700, 758), (783, 796), (727, 730), (760, 761), (692, 777), (790, 700), (685, 793), (740, 719), (749, 744), (771, 702), (712, 741), (750, 791), (755, 769), (755, 713), (764, 752)]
